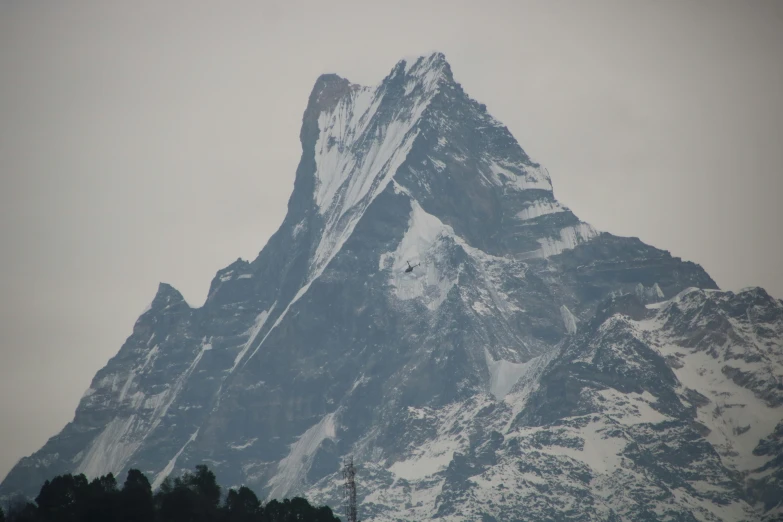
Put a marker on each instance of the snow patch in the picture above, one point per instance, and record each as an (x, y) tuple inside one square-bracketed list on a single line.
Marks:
[(433, 457), (340, 129), (358, 382), (252, 333), (127, 385), (170, 466), (110, 450), (423, 231), (439, 165), (243, 446), (569, 321), (736, 417), (540, 208), (418, 413), (601, 451), (732, 409), (480, 308), (570, 237), (292, 469), (630, 409), (503, 375), (151, 355), (154, 402), (420, 246), (163, 402), (653, 292), (297, 229)]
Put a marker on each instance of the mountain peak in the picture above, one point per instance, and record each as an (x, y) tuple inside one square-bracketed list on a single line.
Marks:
[(419, 127), (431, 69), (327, 90), (433, 64), (167, 296), (428, 307)]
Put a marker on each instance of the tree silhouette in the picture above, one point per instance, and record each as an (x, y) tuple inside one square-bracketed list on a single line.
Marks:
[(241, 506), (63, 499), (101, 500), (192, 497), (135, 500)]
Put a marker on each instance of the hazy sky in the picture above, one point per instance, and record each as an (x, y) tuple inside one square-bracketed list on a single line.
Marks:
[(157, 141)]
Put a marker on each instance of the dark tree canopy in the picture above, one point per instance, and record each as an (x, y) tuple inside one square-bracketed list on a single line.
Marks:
[(192, 497), (135, 500)]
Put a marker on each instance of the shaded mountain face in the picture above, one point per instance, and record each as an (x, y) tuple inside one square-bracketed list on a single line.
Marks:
[(529, 367)]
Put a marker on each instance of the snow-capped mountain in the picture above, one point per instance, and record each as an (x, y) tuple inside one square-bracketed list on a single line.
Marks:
[(529, 367)]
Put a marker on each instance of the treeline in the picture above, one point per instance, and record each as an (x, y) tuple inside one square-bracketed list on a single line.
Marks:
[(192, 497)]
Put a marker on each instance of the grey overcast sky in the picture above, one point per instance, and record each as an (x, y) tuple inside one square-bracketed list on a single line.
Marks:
[(157, 141)]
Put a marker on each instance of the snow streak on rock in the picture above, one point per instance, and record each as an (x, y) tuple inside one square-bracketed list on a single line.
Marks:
[(539, 208), (111, 449), (569, 238), (292, 469), (569, 321), (360, 154), (170, 466), (252, 334), (520, 177), (504, 375)]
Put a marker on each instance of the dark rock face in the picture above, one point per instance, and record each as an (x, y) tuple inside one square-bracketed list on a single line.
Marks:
[(528, 368)]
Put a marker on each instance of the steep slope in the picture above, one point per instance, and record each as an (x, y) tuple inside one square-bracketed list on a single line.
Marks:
[(323, 346)]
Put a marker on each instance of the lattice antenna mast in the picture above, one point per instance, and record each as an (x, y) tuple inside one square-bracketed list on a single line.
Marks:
[(349, 474)]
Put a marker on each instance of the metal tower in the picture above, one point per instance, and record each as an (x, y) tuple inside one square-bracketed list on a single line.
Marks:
[(349, 473)]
